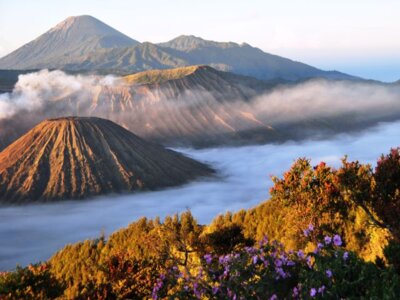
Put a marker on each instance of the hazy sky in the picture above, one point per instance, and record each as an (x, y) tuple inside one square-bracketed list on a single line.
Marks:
[(361, 37)]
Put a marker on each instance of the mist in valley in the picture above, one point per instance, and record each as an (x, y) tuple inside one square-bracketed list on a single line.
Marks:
[(166, 115), (34, 232)]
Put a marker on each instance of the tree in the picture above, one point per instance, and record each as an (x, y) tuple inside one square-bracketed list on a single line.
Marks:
[(386, 200)]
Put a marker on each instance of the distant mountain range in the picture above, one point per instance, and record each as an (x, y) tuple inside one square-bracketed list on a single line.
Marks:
[(73, 158), (84, 43)]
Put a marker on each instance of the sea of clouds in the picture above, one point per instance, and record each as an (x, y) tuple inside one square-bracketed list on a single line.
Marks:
[(32, 233)]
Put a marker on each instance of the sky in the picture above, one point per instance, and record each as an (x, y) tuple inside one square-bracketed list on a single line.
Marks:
[(360, 37)]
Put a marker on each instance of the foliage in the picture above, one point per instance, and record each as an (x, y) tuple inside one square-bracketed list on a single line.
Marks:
[(32, 282), (125, 278), (130, 260), (386, 197), (269, 272), (180, 258), (226, 239)]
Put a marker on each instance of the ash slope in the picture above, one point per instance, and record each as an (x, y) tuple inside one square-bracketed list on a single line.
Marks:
[(75, 157), (83, 43)]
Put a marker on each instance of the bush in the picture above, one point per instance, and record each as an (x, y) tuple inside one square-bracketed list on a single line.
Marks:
[(270, 272), (32, 282)]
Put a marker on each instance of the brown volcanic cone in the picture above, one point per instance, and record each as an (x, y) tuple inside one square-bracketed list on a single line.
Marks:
[(76, 157)]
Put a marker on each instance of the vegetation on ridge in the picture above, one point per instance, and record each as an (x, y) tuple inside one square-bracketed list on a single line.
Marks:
[(338, 239), (159, 76)]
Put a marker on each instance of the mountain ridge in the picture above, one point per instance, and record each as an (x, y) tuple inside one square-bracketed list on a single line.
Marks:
[(96, 46)]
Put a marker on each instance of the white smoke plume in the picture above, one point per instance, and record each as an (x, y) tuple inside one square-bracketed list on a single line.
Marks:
[(36, 90)]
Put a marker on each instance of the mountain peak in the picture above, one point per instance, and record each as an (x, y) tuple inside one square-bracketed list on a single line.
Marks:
[(190, 37), (191, 42), (73, 20), (85, 25), (76, 36)]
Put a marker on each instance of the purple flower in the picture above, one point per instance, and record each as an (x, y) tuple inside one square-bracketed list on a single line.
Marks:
[(308, 230), (197, 293), (281, 273), (273, 297), (249, 249), (321, 290), (230, 293), (226, 271), (208, 258), (337, 240), (255, 259), (264, 241), (200, 274), (290, 263), (318, 248), (300, 254), (266, 263), (278, 262), (345, 255), (295, 292), (284, 259), (328, 240), (158, 287), (313, 292), (328, 273), (215, 290), (309, 262)]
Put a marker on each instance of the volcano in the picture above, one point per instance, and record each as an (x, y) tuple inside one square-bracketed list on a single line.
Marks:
[(61, 45), (79, 157)]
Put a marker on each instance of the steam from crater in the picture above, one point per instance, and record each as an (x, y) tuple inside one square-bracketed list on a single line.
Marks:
[(164, 112)]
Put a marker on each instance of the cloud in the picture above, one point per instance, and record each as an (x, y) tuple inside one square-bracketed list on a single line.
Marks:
[(322, 98), (194, 115)]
